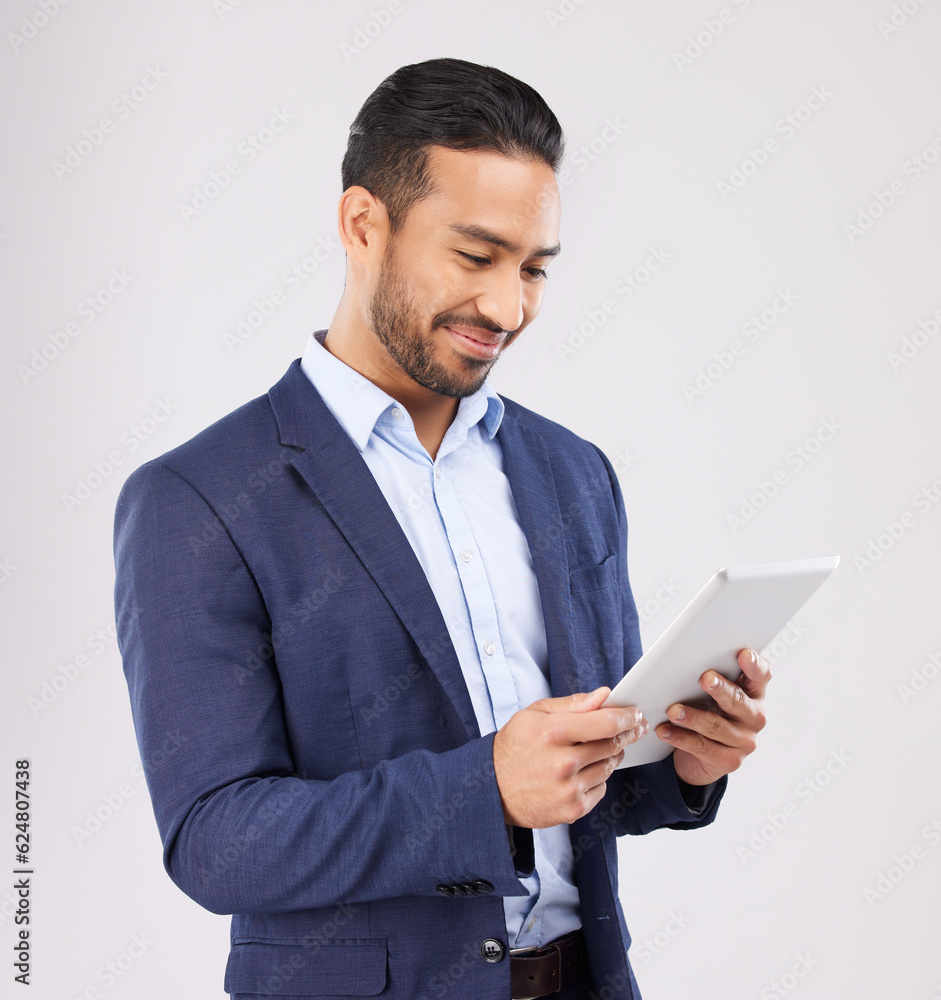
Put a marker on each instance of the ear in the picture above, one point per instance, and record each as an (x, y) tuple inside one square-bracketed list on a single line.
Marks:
[(363, 225)]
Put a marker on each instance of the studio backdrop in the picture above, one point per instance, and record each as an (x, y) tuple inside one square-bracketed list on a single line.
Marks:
[(745, 318)]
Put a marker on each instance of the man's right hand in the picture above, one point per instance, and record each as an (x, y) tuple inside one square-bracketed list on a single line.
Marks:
[(553, 758)]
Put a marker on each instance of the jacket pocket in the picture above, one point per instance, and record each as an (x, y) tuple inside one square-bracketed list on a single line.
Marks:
[(584, 579), (355, 967)]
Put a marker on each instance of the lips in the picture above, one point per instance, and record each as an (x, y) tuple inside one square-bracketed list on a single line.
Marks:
[(474, 340)]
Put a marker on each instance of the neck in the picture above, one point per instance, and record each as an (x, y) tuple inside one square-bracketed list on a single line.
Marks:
[(354, 343)]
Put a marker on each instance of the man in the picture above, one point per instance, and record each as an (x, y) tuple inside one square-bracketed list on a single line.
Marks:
[(368, 620)]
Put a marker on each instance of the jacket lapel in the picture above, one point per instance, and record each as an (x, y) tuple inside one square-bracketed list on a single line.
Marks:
[(337, 473), (527, 466)]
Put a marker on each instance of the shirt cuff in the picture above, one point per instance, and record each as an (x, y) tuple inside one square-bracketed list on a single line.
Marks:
[(522, 850)]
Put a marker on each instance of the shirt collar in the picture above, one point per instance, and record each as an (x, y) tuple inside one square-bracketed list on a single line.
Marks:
[(358, 403)]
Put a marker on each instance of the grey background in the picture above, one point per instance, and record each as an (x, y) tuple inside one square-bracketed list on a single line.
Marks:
[(739, 909)]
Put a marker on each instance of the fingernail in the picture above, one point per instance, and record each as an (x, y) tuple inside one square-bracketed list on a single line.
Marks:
[(680, 713), (714, 683), (666, 732), (753, 658)]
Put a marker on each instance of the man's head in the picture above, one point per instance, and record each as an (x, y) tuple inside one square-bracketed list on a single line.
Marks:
[(449, 216), (443, 102)]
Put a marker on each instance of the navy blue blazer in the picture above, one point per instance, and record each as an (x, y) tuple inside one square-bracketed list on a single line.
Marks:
[(308, 741)]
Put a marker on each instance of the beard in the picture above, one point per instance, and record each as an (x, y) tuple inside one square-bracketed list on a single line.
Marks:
[(397, 322)]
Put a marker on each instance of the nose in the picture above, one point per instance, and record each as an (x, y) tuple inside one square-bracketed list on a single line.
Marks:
[(502, 298)]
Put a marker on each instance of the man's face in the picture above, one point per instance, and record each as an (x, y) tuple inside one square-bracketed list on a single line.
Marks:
[(465, 274)]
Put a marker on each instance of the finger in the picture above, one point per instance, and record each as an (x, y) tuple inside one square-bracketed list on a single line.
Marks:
[(600, 769), (713, 727), (598, 773), (733, 701), (581, 701), (714, 758), (711, 753), (757, 671), (591, 796), (597, 750), (593, 757), (603, 724)]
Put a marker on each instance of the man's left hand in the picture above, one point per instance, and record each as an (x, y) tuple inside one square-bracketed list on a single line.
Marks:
[(712, 742)]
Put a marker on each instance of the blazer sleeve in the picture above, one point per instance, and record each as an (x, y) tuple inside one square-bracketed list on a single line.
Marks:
[(241, 831), (650, 796)]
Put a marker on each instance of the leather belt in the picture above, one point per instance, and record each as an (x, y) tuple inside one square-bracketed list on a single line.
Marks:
[(540, 972)]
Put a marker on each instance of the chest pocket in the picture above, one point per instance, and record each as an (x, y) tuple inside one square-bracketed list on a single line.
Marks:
[(597, 626), (585, 579)]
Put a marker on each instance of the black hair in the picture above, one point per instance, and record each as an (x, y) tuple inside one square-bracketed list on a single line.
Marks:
[(442, 102)]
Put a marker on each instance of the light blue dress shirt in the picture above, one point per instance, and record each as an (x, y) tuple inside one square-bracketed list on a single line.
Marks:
[(458, 513)]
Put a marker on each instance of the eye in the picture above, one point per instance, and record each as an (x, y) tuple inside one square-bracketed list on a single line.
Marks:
[(536, 273), (476, 260)]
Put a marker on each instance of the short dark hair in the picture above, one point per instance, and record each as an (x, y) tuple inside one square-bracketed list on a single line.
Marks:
[(443, 102)]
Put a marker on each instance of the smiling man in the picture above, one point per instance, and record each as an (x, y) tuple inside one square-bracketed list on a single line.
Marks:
[(375, 612)]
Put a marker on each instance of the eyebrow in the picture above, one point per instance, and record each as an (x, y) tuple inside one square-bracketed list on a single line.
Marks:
[(485, 235)]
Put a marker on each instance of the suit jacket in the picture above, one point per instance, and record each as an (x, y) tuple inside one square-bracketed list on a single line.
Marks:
[(308, 741)]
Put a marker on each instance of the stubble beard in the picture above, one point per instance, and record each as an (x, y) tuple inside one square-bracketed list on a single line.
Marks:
[(396, 321)]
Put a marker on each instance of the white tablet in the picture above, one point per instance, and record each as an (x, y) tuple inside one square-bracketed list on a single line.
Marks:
[(743, 607)]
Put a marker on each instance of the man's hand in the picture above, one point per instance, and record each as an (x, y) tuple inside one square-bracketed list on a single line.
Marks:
[(553, 758), (711, 743)]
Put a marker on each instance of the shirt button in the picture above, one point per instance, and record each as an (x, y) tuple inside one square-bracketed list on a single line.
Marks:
[(490, 648), (467, 555), (492, 950), (397, 413), (438, 473)]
